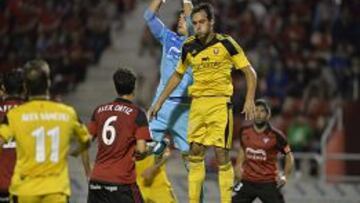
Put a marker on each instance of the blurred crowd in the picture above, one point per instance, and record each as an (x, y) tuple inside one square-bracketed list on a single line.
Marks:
[(70, 34), (306, 54)]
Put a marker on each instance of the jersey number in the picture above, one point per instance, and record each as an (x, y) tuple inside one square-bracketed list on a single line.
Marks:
[(39, 135), (109, 132)]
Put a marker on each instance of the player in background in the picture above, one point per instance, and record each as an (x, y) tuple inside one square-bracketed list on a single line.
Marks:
[(211, 57), (173, 117), (13, 85), (121, 130), (256, 166), (42, 130), (152, 179)]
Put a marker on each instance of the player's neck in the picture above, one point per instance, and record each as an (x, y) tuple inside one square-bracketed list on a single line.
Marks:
[(261, 127), (39, 97), (12, 96), (129, 97), (206, 39)]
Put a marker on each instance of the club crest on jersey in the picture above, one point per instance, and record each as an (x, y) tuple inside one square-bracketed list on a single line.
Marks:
[(266, 140), (216, 51)]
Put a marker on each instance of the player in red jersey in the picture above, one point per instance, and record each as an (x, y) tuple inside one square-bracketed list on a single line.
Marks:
[(256, 166), (14, 95), (121, 130)]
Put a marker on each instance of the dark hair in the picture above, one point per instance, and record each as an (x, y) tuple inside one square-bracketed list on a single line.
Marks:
[(264, 103), (13, 81), (124, 81), (207, 8), (37, 77)]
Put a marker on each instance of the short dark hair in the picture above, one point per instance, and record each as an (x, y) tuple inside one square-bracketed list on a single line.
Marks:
[(37, 77), (207, 8), (124, 81), (13, 81), (263, 103)]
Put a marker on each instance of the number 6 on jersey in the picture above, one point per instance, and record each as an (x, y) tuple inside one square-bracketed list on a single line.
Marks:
[(109, 129)]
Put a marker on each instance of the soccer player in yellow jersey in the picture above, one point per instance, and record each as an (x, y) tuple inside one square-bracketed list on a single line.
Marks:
[(211, 57), (43, 130), (152, 180)]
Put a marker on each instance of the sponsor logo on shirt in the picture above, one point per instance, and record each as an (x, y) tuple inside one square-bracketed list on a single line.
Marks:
[(174, 53), (255, 154), (266, 140)]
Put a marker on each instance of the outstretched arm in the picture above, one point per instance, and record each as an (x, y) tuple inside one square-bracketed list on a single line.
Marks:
[(188, 6), (171, 85), (157, 28)]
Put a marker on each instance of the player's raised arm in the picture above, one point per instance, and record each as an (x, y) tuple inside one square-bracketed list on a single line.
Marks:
[(188, 6), (157, 28)]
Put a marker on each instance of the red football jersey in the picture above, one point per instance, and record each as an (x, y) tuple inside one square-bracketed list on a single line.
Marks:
[(117, 126), (261, 150), (8, 154)]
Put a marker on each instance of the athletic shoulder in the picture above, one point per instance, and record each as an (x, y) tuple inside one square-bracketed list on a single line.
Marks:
[(245, 128), (221, 36), (229, 43)]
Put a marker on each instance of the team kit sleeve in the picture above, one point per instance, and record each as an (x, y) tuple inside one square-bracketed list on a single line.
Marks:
[(183, 62), (142, 131), (157, 28), (236, 53), (282, 144), (6, 132), (92, 125)]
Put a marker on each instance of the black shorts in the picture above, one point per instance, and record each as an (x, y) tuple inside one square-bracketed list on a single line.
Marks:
[(113, 193), (4, 197), (246, 192)]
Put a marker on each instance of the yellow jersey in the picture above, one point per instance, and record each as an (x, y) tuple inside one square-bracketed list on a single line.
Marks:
[(43, 131), (211, 64)]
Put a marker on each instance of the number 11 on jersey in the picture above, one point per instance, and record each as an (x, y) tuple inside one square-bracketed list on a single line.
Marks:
[(39, 135)]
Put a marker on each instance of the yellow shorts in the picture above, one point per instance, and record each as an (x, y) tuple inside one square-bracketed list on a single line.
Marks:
[(53, 198), (211, 121)]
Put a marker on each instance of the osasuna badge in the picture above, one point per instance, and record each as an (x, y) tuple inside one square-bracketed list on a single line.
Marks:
[(216, 51), (266, 140)]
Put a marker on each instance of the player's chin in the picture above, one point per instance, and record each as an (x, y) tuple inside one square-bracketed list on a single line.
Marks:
[(259, 121)]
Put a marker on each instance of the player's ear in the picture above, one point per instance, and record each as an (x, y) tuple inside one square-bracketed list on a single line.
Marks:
[(268, 116)]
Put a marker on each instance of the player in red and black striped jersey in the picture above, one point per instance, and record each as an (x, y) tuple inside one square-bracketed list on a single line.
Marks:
[(256, 166), (14, 96), (121, 130)]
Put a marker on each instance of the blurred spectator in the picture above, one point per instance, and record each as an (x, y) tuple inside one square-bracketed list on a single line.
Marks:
[(299, 134), (69, 34)]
